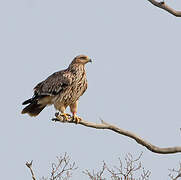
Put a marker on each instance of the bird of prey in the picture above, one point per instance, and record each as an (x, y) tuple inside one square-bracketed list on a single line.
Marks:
[(62, 89)]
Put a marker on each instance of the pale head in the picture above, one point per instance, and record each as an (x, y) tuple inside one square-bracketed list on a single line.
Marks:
[(81, 59)]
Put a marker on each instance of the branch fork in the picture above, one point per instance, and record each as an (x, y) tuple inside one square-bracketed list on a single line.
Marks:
[(29, 165)]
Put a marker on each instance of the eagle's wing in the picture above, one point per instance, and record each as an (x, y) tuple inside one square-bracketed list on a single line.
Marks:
[(54, 84), (51, 86), (46, 90)]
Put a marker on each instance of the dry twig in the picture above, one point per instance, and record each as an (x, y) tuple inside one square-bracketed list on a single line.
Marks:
[(123, 172), (29, 165), (165, 7), (96, 175), (129, 134), (62, 170), (128, 171), (177, 172)]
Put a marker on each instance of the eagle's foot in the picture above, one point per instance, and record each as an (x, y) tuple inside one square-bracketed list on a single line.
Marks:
[(63, 117), (76, 119)]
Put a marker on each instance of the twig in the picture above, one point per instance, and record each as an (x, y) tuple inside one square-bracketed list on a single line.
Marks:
[(62, 170), (29, 165), (165, 7), (131, 168), (139, 140), (128, 171), (178, 172), (96, 175)]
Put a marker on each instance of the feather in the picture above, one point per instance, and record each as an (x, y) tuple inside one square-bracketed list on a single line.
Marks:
[(33, 109)]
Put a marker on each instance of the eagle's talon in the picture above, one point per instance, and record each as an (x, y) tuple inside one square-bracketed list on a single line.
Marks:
[(55, 119), (56, 114), (65, 116), (62, 117), (76, 119)]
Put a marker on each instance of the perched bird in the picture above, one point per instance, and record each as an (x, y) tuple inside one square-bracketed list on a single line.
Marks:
[(62, 89)]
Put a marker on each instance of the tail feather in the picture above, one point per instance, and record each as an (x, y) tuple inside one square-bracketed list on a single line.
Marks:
[(33, 99), (27, 101), (33, 109)]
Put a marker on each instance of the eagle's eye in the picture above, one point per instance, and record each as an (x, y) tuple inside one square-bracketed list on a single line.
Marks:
[(83, 58)]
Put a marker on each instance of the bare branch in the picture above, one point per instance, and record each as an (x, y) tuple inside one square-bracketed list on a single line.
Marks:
[(129, 134), (131, 166), (165, 7), (177, 172), (145, 175), (98, 175), (29, 165), (126, 172), (63, 168)]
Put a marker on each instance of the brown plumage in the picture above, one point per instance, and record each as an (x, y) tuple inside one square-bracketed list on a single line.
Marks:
[(62, 89)]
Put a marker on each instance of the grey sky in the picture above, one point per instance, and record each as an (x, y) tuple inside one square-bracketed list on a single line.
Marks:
[(134, 82)]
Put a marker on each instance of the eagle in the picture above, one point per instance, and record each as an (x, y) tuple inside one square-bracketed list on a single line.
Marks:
[(61, 89)]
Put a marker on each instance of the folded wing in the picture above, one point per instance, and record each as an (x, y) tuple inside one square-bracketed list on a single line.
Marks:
[(46, 90)]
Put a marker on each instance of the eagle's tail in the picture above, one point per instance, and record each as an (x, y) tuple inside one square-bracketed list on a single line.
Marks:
[(28, 101), (33, 109)]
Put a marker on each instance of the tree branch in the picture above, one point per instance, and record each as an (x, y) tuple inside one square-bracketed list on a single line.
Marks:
[(29, 165), (178, 172), (62, 170), (165, 7), (131, 135)]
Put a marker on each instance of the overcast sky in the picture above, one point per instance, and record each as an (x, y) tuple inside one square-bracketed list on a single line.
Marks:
[(134, 82)]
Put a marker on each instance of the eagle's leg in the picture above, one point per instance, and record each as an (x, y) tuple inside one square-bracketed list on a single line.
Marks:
[(73, 109)]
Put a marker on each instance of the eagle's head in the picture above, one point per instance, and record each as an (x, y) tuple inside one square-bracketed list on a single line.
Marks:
[(81, 59)]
